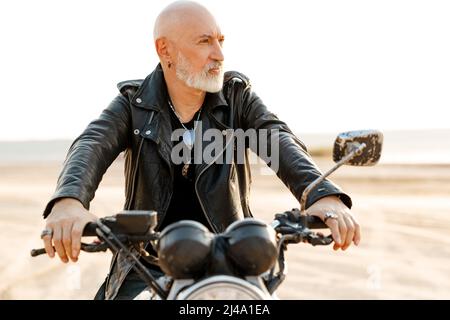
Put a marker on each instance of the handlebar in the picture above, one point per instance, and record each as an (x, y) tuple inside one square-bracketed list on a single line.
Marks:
[(92, 247), (137, 226), (132, 226), (88, 231), (312, 222)]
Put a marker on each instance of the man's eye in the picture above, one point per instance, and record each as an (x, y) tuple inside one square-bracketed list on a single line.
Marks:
[(205, 41)]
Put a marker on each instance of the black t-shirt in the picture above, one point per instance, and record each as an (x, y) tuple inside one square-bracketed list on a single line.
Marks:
[(184, 204)]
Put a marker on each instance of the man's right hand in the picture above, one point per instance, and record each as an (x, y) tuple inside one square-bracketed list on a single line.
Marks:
[(66, 221)]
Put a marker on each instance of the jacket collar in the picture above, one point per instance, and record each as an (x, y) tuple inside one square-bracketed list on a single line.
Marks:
[(152, 94)]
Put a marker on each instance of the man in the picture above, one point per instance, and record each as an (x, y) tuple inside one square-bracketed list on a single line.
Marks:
[(188, 85)]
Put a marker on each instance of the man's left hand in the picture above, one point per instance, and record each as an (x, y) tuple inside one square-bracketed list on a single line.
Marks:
[(344, 227)]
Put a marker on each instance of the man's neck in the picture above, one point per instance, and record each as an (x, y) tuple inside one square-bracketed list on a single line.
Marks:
[(186, 101)]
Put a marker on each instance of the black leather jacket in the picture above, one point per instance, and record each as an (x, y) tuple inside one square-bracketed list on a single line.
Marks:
[(138, 122)]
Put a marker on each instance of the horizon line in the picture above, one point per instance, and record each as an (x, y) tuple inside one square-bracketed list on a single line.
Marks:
[(296, 133)]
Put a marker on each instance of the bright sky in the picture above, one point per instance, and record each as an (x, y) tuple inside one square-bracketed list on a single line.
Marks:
[(322, 66)]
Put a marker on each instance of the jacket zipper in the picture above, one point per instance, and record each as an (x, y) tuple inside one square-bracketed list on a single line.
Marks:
[(163, 214), (196, 181)]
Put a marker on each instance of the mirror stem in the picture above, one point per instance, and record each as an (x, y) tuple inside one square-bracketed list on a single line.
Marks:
[(357, 149)]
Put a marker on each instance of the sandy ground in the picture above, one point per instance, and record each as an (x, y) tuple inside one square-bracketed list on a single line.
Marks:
[(404, 254)]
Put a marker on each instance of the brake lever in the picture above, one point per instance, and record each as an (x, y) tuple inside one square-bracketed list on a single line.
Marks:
[(295, 232), (320, 240), (94, 247)]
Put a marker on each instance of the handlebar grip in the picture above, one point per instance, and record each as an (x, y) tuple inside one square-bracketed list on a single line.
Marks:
[(313, 222), (89, 230), (37, 252)]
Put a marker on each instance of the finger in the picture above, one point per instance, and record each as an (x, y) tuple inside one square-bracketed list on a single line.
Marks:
[(357, 236), (67, 239), (342, 231), (334, 228), (77, 231), (48, 244), (57, 241), (350, 232)]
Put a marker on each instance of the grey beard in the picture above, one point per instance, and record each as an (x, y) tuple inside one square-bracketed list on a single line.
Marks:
[(201, 81)]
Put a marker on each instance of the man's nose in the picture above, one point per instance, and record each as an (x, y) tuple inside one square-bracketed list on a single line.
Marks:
[(217, 53)]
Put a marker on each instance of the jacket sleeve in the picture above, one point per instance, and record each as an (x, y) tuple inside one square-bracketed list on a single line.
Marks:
[(92, 153), (296, 169)]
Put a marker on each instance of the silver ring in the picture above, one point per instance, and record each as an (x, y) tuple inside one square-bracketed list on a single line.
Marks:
[(330, 215), (46, 232)]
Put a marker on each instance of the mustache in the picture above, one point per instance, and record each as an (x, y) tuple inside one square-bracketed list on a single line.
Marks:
[(214, 65)]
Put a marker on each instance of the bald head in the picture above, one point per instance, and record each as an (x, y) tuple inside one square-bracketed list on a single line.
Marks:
[(189, 42), (179, 17)]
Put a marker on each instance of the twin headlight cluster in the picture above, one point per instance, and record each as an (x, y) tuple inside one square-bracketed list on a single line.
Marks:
[(187, 249)]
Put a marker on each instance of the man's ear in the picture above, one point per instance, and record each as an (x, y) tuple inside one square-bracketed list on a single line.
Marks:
[(162, 49)]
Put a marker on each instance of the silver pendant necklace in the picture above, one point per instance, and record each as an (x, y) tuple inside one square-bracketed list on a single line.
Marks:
[(188, 137)]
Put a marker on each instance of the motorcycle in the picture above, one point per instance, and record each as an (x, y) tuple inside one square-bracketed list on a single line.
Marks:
[(246, 262)]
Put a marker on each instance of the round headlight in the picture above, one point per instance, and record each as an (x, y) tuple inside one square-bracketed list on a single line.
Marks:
[(223, 288), (252, 246), (183, 248)]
